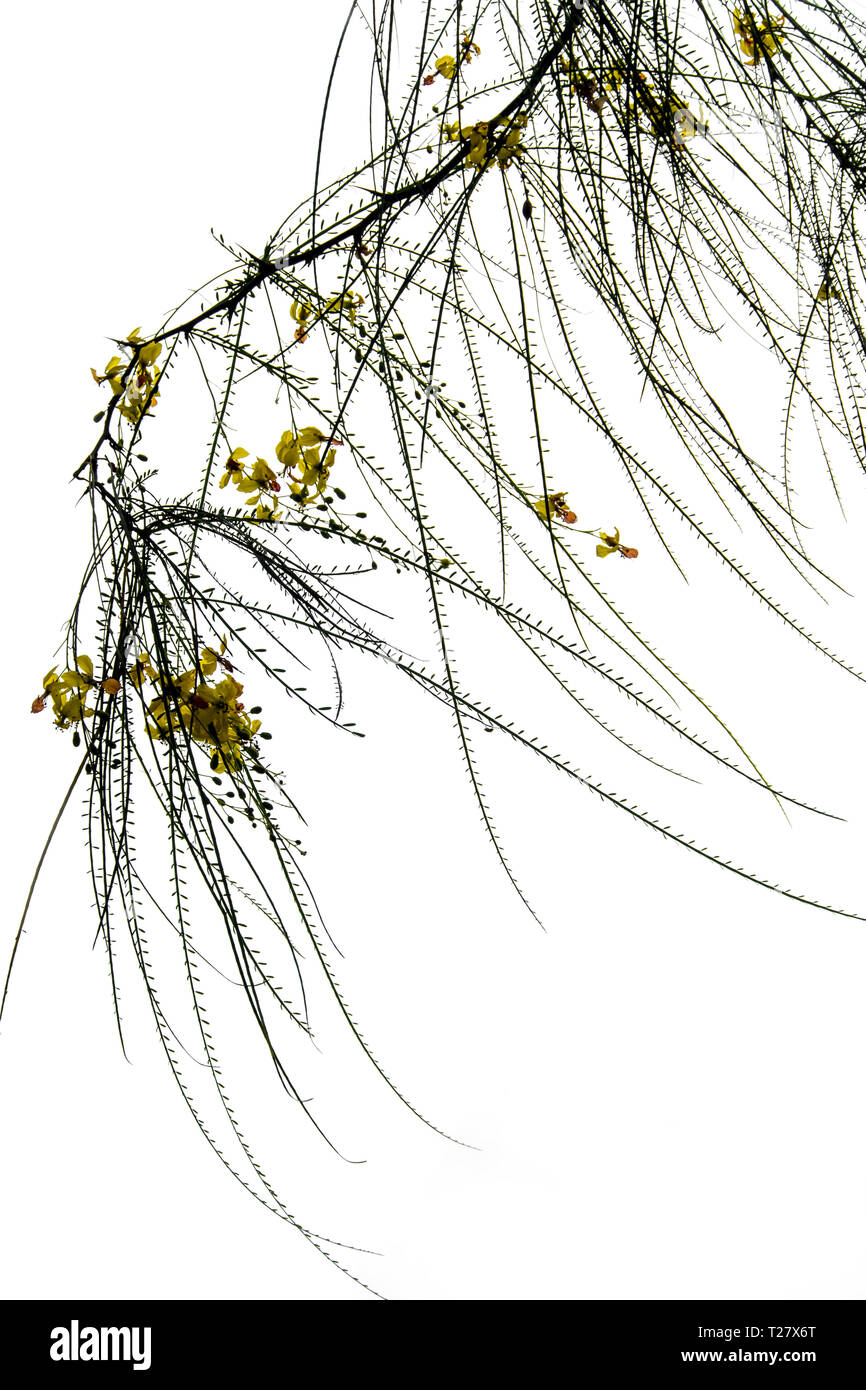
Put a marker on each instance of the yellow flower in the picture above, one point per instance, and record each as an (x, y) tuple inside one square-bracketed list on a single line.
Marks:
[(311, 434), (827, 291), (234, 466), (68, 693), (170, 710), (72, 710), (143, 667), (149, 353), (262, 473), (301, 454), (140, 393), (52, 686), (211, 714), (139, 399), (347, 304), (267, 511), (468, 47), (477, 135), (447, 65), (512, 147), (555, 505), (146, 353), (112, 374), (260, 477), (288, 451), (612, 545), (669, 118), (315, 472), (301, 311), (209, 659), (757, 40)]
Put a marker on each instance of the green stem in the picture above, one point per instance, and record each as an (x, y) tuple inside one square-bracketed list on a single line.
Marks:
[(35, 878), (217, 432)]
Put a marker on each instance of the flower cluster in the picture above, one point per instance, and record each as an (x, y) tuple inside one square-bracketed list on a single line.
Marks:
[(346, 304), (585, 86), (758, 40), (259, 484), (300, 455), (68, 692), (211, 713), (447, 65), (139, 394), (479, 137), (668, 117), (554, 507)]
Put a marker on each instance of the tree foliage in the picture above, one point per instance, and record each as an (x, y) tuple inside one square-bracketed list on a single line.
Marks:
[(679, 166)]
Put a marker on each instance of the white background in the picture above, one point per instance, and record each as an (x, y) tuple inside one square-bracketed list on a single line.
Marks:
[(665, 1090)]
